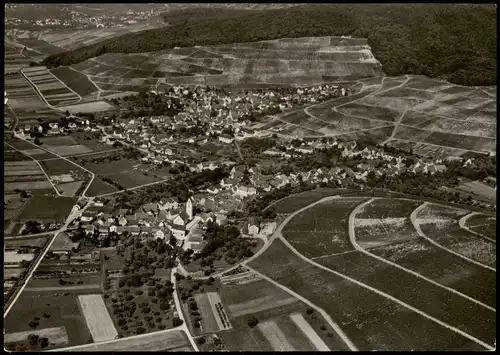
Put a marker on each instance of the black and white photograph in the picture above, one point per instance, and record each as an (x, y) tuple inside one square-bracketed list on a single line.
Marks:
[(249, 177)]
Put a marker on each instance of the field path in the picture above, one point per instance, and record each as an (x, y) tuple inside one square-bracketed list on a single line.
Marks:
[(462, 222), (325, 315), (389, 297), (39, 165), (352, 238), (413, 218), (34, 264), (92, 175), (395, 128)]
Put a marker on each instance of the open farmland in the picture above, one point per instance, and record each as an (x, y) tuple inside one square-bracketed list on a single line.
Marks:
[(284, 62), (75, 80), (484, 225), (322, 229), (97, 317), (47, 209), (348, 303), (53, 311), (446, 231), (174, 340), (246, 294), (97, 106), (55, 92), (385, 221)]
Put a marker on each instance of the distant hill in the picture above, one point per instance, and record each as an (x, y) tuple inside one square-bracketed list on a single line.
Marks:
[(452, 42)]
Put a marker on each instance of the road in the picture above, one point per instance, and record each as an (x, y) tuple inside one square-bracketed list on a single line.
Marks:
[(92, 175), (352, 238), (40, 166), (416, 225), (462, 225), (179, 311), (29, 273)]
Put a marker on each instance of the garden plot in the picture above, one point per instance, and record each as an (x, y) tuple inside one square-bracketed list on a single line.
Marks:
[(323, 228), (367, 318), (97, 317)]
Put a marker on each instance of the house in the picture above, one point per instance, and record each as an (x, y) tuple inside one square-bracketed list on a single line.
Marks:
[(178, 231), (150, 207), (159, 234), (251, 227), (227, 182), (87, 216), (89, 230), (103, 229), (226, 138), (122, 221), (272, 152), (440, 167)]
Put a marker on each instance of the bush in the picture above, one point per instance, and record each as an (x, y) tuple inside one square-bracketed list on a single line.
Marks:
[(252, 321), (201, 341), (177, 322), (323, 327), (309, 311)]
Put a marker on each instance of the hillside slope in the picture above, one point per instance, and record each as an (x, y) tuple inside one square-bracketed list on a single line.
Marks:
[(452, 42)]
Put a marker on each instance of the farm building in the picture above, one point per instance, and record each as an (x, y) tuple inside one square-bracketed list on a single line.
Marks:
[(251, 227)]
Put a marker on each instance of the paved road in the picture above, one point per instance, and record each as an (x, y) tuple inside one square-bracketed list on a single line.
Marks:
[(29, 273), (352, 239), (413, 218), (92, 175)]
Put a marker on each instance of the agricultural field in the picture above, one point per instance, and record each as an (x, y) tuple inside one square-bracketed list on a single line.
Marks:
[(160, 341), (25, 175), (322, 229), (55, 92), (484, 225), (38, 311), (49, 209), (41, 46), (284, 322), (442, 226), (97, 106), (25, 102), (479, 191), (96, 315), (348, 304), (75, 80), (385, 221)]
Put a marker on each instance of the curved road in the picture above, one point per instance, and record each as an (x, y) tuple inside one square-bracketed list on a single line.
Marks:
[(462, 225)]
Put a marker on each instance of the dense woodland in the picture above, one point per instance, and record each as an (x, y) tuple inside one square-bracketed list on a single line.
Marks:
[(452, 42)]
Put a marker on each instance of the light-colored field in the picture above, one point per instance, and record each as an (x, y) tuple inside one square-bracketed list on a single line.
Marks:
[(97, 317), (14, 272), (95, 287), (12, 172), (34, 151), (56, 335), (209, 322), (25, 163), (368, 222), (311, 334), (259, 304), (275, 336), (14, 257), (175, 340), (70, 149), (241, 278), (98, 106), (215, 302)]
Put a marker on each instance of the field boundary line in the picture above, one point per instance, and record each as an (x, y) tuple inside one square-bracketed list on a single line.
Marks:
[(422, 234), (395, 127), (462, 225), (334, 254), (389, 297), (39, 165), (325, 315), (352, 238)]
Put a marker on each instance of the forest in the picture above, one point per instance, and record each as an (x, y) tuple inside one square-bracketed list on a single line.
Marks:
[(455, 42)]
